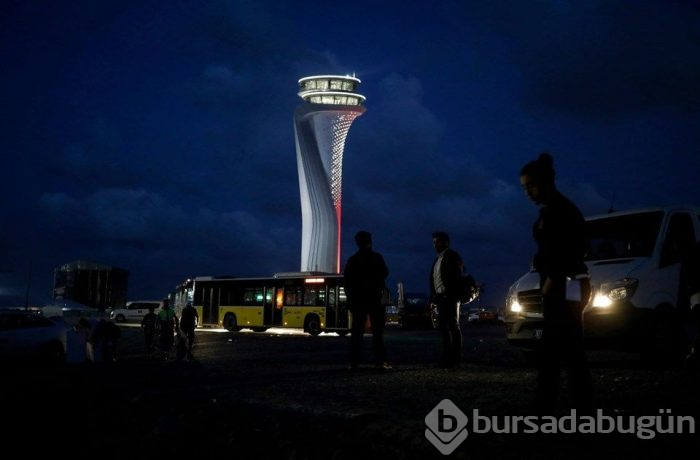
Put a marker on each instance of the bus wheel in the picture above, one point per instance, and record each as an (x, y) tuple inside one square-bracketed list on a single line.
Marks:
[(231, 323), (343, 333), (312, 325), (259, 329)]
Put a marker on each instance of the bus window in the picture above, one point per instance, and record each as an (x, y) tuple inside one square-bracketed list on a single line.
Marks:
[(315, 296), (342, 300), (293, 295), (331, 296), (253, 296), (226, 296)]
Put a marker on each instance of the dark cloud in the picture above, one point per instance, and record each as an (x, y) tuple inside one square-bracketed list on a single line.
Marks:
[(158, 137), (601, 58)]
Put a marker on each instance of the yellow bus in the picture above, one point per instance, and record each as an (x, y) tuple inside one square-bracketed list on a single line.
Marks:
[(313, 301), (181, 295)]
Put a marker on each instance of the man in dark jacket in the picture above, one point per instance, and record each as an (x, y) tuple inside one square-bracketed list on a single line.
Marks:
[(560, 234), (445, 275), (188, 323), (149, 324), (365, 273)]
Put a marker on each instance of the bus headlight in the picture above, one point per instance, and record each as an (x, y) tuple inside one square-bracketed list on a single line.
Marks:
[(618, 290)]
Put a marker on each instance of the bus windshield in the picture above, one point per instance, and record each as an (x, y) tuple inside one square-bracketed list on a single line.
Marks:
[(632, 235)]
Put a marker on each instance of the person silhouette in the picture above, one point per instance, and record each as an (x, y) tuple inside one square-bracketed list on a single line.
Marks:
[(149, 324), (364, 274), (445, 275), (188, 323), (167, 324), (560, 234)]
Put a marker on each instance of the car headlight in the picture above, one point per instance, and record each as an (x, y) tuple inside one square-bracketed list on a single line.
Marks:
[(618, 290)]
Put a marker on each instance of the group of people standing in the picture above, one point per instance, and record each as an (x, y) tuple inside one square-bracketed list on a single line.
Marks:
[(365, 276), (559, 232), (172, 332)]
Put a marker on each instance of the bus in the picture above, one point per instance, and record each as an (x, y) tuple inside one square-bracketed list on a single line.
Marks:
[(315, 302), (183, 293)]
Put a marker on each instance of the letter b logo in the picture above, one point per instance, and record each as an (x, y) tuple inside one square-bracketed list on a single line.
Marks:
[(446, 427)]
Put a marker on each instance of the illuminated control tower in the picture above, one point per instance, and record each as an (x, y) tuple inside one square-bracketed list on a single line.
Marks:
[(321, 125)]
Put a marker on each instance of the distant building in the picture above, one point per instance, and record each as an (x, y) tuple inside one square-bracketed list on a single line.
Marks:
[(92, 284)]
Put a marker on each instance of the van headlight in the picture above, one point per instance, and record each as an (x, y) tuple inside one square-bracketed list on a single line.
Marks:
[(515, 306), (512, 304), (617, 291)]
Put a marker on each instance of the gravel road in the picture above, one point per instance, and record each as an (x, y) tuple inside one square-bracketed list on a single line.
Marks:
[(290, 396)]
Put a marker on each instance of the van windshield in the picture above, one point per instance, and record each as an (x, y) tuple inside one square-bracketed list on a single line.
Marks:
[(633, 235)]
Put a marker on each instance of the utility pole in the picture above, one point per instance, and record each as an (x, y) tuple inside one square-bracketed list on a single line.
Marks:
[(29, 284)]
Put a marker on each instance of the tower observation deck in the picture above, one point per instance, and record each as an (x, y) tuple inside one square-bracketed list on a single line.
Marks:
[(321, 125)]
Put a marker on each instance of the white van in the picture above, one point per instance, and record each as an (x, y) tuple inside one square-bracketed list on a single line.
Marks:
[(634, 260), (135, 310)]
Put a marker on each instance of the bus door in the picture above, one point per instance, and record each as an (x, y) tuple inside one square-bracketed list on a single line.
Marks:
[(210, 305), (342, 309), (332, 306), (337, 311), (274, 301)]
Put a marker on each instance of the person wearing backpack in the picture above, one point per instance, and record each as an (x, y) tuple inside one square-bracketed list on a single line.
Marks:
[(167, 324), (149, 324), (445, 292), (188, 323)]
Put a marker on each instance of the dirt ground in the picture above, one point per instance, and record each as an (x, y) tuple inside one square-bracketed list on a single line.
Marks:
[(290, 396)]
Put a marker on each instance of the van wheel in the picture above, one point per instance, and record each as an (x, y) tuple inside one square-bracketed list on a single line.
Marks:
[(343, 333), (231, 323), (312, 325), (665, 339)]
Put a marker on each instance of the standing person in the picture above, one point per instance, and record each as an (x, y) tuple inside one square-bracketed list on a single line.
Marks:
[(560, 234), (105, 339), (167, 322), (188, 323), (445, 275), (365, 272), (149, 324)]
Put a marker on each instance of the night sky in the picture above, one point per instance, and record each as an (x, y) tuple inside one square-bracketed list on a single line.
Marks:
[(157, 136)]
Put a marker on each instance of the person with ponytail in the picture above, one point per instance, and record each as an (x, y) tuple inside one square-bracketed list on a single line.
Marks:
[(560, 234)]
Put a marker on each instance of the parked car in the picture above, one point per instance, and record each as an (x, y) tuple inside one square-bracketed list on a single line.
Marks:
[(135, 310), (29, 335), (479, 316), (473, 315), (415, 311), (392, 314), (487, 315)]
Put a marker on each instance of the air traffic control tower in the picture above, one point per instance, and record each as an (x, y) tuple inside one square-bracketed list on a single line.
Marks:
[(321, 125)]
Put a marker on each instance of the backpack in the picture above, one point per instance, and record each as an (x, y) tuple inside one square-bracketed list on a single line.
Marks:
[(467, 288)]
